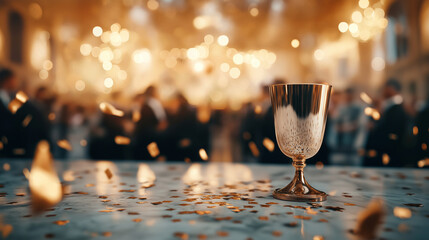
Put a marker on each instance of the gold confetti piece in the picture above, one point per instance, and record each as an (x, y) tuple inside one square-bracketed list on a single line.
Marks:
[(181, 235), (26, 173), (319, 165), (5, 229), (370, 219), (68, 176), (108, 173), (27, 120), (424, 146), (393, 136), (402, 213), (61, 222), (133, 213), (137, 220), (14, 106), (83, 142), (64, 144), (6, 166), (291, 224), (186, 142), (302, 217), (21, 96), (263, 218), (277, 233), (385, 159), (136, 116), (258, 109), (121, 140), (176, 220), (107, 234), (268, 144), (51, 116), (423, 163), (349, 204), (89, 185), (203, 154), (108, 108), (415, 130), (1, 145), (323, 220), (311, 211), (372, 153), (45, 186), (202, 237), (254, 149), (127, 190), (367, 99), (318, 237), (222, 234), (153, 150)]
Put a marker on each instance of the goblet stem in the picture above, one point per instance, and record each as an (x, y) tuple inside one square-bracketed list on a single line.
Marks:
[(298, 189)]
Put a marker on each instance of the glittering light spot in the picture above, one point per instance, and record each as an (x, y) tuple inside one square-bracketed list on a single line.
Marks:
[(68, 176), (238, 59), (48, 65), (224, 67), (254, 12), (319, 54), (234, 73), (343, 27), (254, 149), (353, 28), (295, 43), (43, 74), (223, 40), (319, 165), (97, 31), (357, 17), (378, 64), (423, 163), (363, 3), (108, 82), (85, 49), (208, 39), (142, 56), (80, 85), (115, 27), (152, 5)]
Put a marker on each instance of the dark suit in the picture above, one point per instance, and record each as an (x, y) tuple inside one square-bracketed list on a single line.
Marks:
[(20, 140), (387, 137)]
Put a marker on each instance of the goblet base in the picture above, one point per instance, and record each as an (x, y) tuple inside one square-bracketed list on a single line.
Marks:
[(313, 196)]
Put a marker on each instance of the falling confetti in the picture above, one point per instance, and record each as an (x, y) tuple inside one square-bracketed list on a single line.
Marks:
[(385, 159), (64, 144), (108, 173), (203, 154), (254, 149), (136, 116), (370, 219), (27, 120), (45, 186), (415, 130), (121, 140), (153, 150), (268, 144), (108, 108), (6, 166), (61, 222), (423, 163), (17, 102), (366, 98)]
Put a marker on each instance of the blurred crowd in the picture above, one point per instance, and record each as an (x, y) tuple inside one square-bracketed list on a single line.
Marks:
[(360, 130)]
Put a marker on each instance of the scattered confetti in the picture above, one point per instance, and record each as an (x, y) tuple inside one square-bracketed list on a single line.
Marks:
[(61, 222), (153, 150), (108, 173), (121, 140), (108, 108), (203, 154), (268, 144), (402, 213), (370, 219), (64, 144)]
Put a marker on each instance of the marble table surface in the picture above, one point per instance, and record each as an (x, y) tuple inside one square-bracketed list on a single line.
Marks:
[(210, 201)]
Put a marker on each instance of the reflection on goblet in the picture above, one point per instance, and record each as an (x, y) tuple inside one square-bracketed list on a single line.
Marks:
[(300, 112)]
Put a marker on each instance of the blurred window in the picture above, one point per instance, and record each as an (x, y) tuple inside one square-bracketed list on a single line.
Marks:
[(396, 32), (16, 28)]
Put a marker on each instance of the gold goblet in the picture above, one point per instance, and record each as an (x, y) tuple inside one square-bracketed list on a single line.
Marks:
[(300, 112)]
